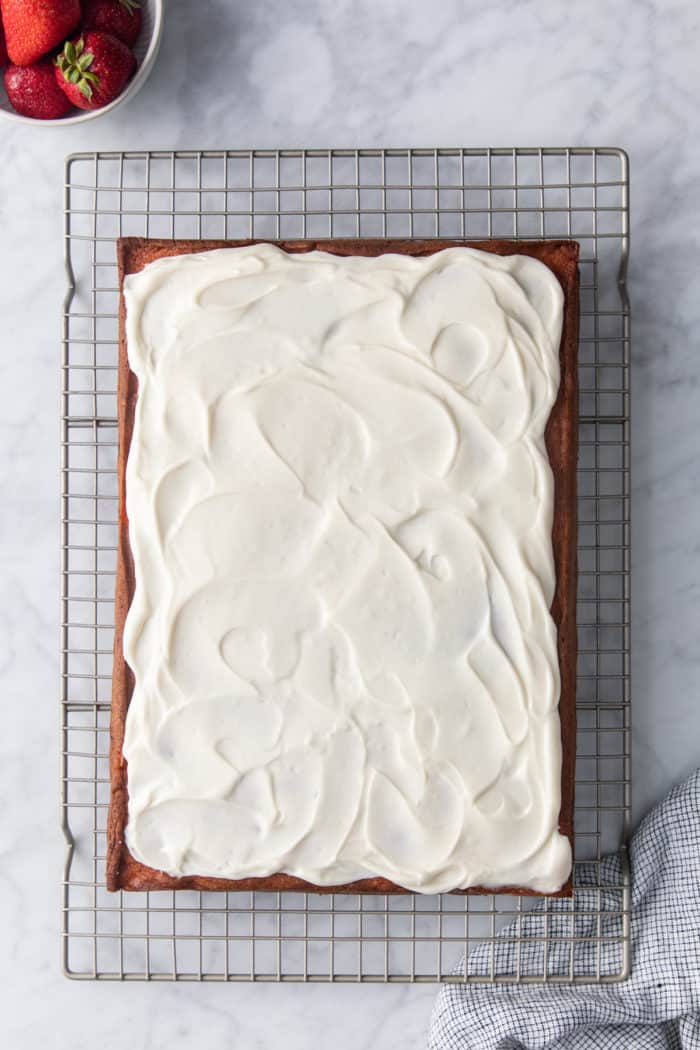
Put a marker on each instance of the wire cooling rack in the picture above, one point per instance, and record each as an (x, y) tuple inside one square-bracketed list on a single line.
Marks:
[(474, 193)]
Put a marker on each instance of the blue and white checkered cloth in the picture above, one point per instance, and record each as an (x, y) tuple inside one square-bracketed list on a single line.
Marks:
[(657, 1008)]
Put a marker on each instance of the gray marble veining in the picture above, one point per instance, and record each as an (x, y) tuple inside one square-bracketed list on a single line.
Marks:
[(527, 72)]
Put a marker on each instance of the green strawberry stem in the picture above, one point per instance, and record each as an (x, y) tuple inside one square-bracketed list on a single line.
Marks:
[(130, 5), (74, 62)]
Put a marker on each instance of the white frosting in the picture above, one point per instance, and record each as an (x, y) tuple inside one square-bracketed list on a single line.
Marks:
[(340, 511)]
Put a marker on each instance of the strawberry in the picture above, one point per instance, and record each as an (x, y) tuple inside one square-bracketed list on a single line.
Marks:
[(93, 69), (33, 91), (34, 27), (121, 18), (3, 49)]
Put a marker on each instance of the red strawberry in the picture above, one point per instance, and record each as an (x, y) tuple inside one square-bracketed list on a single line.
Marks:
[(93, 69), (3, 49), (121, 18), (33, 27), (33, 91)]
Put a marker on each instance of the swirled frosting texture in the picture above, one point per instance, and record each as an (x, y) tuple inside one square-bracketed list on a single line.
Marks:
[(340, 511)]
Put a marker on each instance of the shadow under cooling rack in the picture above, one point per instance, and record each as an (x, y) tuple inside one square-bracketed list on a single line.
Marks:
[(471, 193)]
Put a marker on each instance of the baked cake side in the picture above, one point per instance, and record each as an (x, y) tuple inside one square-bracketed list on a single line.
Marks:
[(406, 526)]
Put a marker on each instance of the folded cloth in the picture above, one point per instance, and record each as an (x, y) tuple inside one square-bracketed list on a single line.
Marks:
[(656, 1008)]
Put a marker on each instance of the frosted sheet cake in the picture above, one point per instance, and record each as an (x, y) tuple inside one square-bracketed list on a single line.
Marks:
[(345, 646)]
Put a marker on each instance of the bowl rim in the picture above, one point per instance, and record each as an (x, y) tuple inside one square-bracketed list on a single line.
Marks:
[(131, 89)]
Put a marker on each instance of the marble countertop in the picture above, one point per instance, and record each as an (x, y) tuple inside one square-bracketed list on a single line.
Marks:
[(350, 73)]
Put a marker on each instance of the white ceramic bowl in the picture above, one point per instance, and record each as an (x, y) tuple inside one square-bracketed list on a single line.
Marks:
[(145, 49)]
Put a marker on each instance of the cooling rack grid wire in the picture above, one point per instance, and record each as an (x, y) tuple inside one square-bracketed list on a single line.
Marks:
[(474, 193)]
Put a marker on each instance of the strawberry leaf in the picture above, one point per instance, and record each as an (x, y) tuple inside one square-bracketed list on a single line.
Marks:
[(75, 65)]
